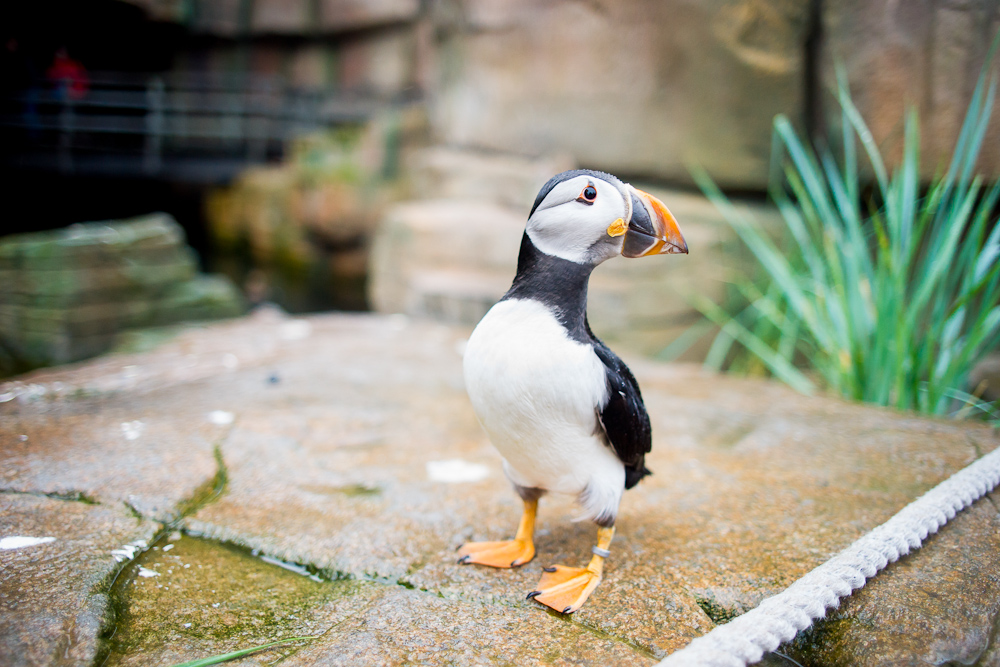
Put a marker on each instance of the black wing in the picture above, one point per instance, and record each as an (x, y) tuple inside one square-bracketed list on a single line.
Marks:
[(624, 418)]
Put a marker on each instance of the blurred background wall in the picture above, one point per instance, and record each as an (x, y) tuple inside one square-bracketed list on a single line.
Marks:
[(382, 154)]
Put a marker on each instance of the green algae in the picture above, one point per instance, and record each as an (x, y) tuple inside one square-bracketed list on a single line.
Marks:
[(210, 491), (349, 490), (187, 598), (715, 611), (68, 496)]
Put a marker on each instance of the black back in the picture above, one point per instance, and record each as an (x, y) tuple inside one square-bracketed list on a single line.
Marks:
[(624, 417)]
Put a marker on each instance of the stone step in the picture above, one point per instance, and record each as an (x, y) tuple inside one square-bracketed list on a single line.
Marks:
[(453, 258)]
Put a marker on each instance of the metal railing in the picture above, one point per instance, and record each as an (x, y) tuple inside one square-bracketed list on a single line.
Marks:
[(163, 124)]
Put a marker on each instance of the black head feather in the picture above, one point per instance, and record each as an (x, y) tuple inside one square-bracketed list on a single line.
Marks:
[(565, 176)]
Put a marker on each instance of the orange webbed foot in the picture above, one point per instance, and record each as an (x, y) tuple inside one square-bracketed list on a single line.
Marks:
[(510, 553), (565, 589)]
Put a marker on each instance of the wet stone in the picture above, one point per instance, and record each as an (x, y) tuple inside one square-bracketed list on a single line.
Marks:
[(936, 606), (346, 444), (53, 594), (188, 598), (115, 452), (193, 598)]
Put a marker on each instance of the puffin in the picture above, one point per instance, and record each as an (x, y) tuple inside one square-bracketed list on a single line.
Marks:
[(562, 409)]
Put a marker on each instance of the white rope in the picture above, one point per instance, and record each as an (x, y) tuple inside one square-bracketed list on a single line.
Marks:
[(745, 639)]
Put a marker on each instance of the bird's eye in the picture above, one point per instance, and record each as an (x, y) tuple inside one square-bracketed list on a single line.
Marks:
[(588, 195)]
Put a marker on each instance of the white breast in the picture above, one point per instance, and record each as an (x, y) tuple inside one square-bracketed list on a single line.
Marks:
[(537, 393)]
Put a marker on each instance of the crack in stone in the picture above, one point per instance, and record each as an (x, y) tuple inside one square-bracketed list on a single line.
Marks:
[(987, 657), (117, 600), (603, 634), (975, 446), (641, 649), (989, 497), (68, 496), (206, 493)]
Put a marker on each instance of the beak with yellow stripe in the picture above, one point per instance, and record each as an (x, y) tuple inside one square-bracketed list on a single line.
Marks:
[(651, 229)]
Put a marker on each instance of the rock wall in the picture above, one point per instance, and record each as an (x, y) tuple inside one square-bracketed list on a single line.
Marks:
[(919, 53), (637, 87), (640, 87)]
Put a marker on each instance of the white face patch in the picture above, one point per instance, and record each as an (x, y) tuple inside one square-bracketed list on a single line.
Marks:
[(565, 225)]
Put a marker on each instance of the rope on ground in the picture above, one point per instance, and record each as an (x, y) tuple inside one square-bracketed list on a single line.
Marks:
[(777, 619)]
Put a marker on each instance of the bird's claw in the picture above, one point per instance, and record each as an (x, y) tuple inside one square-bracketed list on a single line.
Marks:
[(565, 589)]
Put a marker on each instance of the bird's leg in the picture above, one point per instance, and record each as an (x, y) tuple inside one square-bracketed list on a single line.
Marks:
[(565, 589), (511, 553)]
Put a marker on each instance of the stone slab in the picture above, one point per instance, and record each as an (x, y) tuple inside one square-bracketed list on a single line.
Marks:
[(341, 426), (112, 451), (94, 241), (510, 181), (948, 592), (201, 598), (344, 15), (65, 294), (53, 596)]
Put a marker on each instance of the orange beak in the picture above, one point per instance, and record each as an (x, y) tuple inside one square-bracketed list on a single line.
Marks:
[(652, 229)]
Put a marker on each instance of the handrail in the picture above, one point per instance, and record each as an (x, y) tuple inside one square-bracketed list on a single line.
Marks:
[(173, 113)]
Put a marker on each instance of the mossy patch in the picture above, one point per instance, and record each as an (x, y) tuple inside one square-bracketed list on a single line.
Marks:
[(718, 613), (192, 597), (209, 491)]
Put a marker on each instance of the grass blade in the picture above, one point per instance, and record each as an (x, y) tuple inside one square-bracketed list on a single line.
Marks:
[(226, 657)]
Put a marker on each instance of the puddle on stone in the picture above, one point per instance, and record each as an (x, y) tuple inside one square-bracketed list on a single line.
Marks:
[(191, 598)]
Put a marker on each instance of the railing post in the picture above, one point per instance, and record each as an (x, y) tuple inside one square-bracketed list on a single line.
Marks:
[(152, 159), (67, 121), (256, 124)]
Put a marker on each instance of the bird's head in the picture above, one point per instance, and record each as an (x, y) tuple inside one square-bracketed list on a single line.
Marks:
[(588, 216)]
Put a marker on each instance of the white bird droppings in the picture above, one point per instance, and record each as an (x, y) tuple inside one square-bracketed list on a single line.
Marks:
[(127, 552), (295, 330), (20, 542), (454, 471), (221, 417), (145, 572), (133, 429)]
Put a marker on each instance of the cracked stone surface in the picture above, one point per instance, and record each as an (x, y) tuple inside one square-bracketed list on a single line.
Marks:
[(334, 432), (53, 595)]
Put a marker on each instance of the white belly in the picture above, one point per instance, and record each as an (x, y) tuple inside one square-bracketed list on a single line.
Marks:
[(537, 394)]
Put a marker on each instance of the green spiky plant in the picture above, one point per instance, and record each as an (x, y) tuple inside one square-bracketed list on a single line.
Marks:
[(888, 294)]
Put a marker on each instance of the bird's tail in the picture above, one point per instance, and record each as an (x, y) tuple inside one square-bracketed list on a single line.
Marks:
[(635, 473)]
